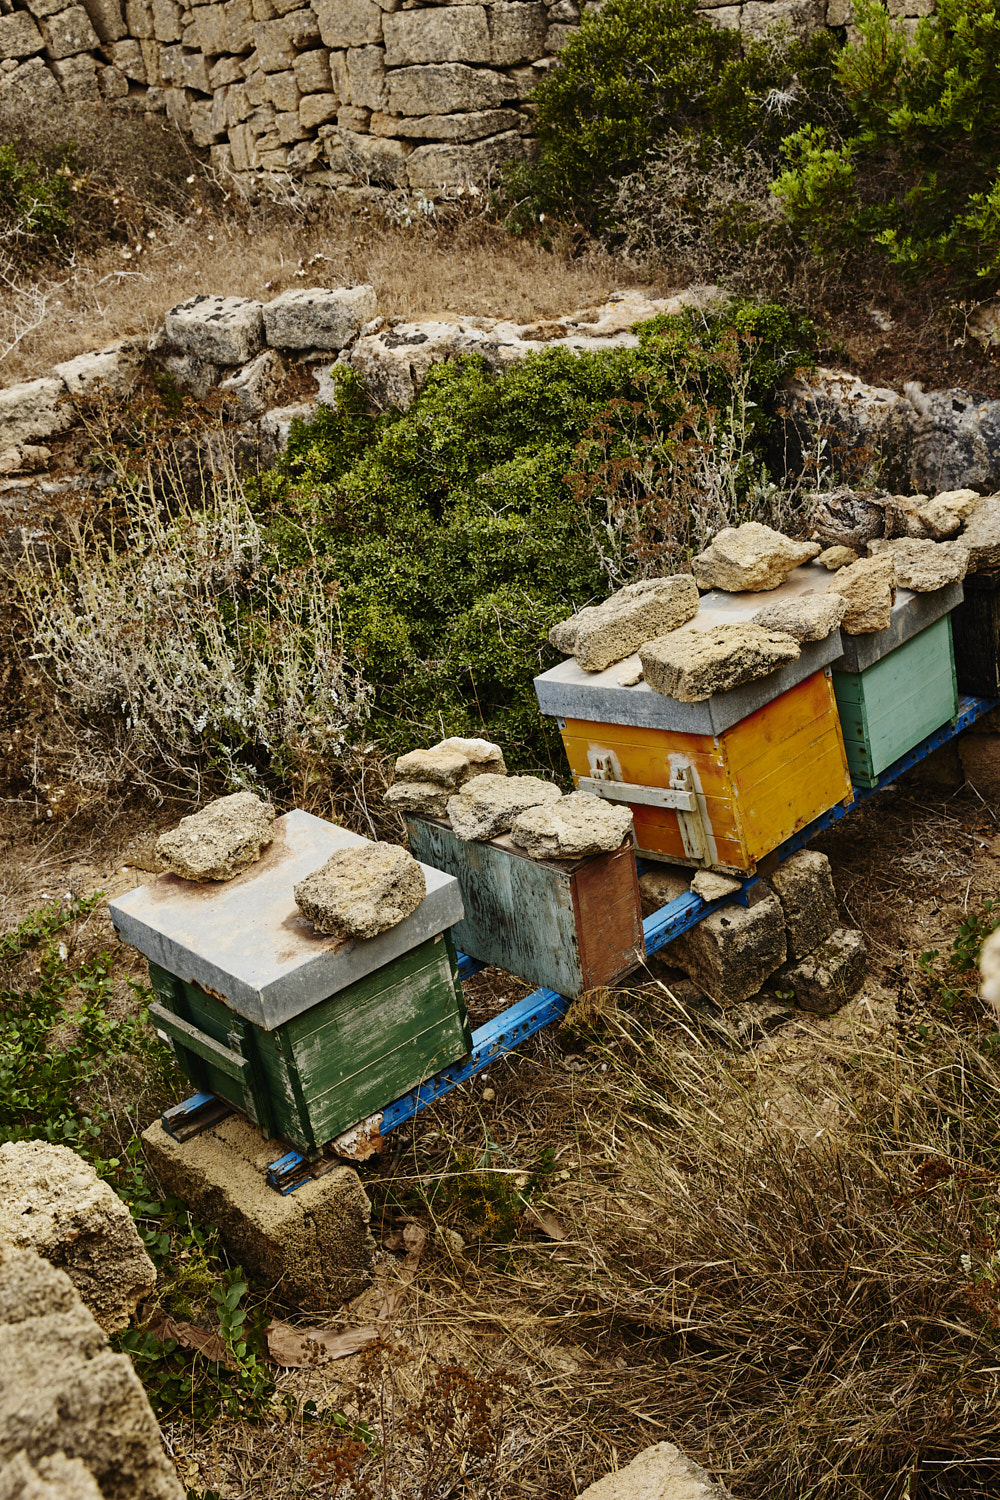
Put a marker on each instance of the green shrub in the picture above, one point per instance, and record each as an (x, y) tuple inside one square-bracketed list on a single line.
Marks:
[(918, 172), (34, 203), (456, 533), (641, 71)]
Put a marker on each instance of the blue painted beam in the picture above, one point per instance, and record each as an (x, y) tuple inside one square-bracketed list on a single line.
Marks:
[(468, 966), (515, 1025)]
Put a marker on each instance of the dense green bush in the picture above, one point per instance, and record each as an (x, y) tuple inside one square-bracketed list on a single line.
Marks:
[(34, 203), (458, 531), (640, 72), (918, 171)]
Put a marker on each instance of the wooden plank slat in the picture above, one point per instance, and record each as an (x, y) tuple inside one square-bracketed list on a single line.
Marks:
[(189, 1037)]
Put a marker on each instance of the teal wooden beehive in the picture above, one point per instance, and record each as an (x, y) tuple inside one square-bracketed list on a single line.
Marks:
[(892, 704), (304, 1033)]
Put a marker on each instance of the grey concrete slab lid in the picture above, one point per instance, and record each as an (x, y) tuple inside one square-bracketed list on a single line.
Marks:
[(911, 614), (245, 939)]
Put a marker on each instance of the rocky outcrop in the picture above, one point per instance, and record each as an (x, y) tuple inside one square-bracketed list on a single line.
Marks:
[(222, 840), (362, 891), (53, 1202), (71, 1412)]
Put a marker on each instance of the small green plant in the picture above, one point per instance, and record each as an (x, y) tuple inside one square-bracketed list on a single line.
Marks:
[(34, 203), (956, 979)]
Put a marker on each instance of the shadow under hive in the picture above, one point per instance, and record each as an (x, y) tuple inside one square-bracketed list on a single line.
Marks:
[(306, 1034)]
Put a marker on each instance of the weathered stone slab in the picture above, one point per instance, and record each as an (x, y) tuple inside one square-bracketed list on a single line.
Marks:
[(982, 537), (473, 125), (222, 840), (662, 1472), (348, 23), (248, 393), (53, 1202), (517, 32), (750, 558), (949, 511), (804, 886), (69, 32), (830, 975), (444, 89), (869, 586), (424, 799), (924, 566), (445, 33), (31, 82), (363, 891), (112, 368), (573, 827), (312, 71), (837, 557), (734, 950), (692, 665), (711, 886), (603, 634), (318, 317), (313, 1246), (476, 162), (452, 762), (78, 78), (487, 805), (221, 330), (19, 36), (33, 409), (107, 19), (812, 617)]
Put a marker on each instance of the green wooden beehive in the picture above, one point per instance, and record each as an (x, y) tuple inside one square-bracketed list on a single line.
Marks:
[(897, 701), (304, 1033)]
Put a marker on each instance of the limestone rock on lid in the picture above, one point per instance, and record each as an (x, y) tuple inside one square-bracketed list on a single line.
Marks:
[(572, 827), (981, 534), (691, 665), (487, 805), (869, 586), (810, 617), (222, 840), (603, 634), (949, 511), (924, 566), (837, 557), (362, 891), (424, 799), (751, 558), (451, 762), (711, 886)]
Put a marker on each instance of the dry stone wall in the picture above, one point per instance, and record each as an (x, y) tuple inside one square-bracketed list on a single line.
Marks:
[(336, 93)]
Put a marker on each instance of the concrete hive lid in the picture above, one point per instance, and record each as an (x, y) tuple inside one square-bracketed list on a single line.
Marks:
[(245, 940)]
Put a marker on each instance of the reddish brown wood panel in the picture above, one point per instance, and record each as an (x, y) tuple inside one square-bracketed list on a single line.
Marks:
[(608, 917)]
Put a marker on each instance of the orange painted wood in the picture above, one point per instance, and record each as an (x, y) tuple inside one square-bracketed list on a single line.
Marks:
[(758, 782)]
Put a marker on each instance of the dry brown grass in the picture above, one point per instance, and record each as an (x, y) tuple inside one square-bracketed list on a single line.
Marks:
[(464, 265)]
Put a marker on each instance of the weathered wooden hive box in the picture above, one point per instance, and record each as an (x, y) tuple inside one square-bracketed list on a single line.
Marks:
[(720, 783), (896, 686), (976, 634), (569, 925), (306, 1034)]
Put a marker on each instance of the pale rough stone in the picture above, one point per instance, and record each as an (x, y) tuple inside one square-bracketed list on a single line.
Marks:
[(810, 617), (112, 368), (33, 409), (348, 23), (804, 886), (691, 665), (251, 391), (446, 33), (800, 15), (62, 1391), (112, 83), (107, 19), (373, 159), (734, 950), (981, 535), (219, 29), (31, 82), (318, 317), (902, 516), (948, 512), (283, 92), (471, 126), (69, 33), (166, 21), (989, 968), (573, 827), (19, 36), (313, 1246), (423, 799), (751, 557), (46, 7), (662, 1472), (631, 673), (78, 78), (724, 15), (517, 32), (487, 805), (222, 840), (366, 77), (56, 1477), (53, 1202), (838, 557), (452, 762), (830, 975), (316, 109), (476, 162), (924, 566), (312, 72), (556, 38), (444, 89), (869, 586), (362, 891), (607, 633), (711, 886), (198, 376), (221, 330)]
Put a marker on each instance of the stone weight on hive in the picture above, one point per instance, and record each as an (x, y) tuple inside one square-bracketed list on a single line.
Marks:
[(305, 1033)]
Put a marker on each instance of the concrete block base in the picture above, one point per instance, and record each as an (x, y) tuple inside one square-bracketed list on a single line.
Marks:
[(313, 1246)]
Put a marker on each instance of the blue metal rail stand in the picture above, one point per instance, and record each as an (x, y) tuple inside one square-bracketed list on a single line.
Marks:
[(514, 1026)]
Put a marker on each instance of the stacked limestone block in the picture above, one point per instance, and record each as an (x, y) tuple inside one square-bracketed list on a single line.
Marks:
[(337, 92)]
